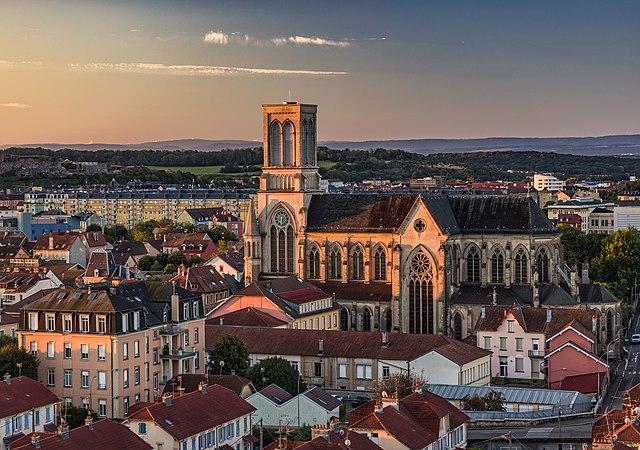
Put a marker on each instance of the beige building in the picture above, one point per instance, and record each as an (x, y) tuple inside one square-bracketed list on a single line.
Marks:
[(109, 349)]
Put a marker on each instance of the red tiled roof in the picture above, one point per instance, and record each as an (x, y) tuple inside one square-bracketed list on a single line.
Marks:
[(336, 442), (95, 239), (248, 317), (173, 240), (189, 382), (22, 394), (192, 413), (56, 241), (357, 344), (104, 434), (416, 421), (355, 290), (295, 290)]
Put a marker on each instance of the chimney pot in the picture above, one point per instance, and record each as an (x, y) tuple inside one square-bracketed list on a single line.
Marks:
[(7, 378), (35, 441), (167, 399)]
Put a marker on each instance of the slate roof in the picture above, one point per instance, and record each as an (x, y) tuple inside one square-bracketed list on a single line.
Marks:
[(134, 248), (322, 398), (248, 317), (276, 394), (105, 434), (201, 279), (377, 291), (60, 242), (356, 344), (192, 413), (234, 259), (23, 394), (200, 214)]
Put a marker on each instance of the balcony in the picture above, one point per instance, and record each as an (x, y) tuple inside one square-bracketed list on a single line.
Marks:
[(176, 354), (171, 330), (536, 353)]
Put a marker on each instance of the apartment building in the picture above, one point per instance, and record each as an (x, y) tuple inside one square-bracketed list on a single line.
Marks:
[(211, 417), (109, 349), (26, 406), (587, 209), (545, 181), (352, 361), (127, 208)]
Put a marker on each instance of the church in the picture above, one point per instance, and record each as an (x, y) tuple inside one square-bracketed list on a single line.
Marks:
[(403, 262)]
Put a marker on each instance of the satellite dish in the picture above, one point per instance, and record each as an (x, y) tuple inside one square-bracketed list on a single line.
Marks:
[(384, 394), (221, 363), (347, 442)]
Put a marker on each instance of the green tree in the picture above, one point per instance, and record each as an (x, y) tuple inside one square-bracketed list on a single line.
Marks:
[(11, 356), (220, 233), (116, 233), (146, 262), (157, 266), (618, 263), (493, 401), (233, 351), (93, 227), (579, 246), (399, 384), (75, 415), (175, 258), (194, 261), (170, 268), (278, 371), (143, 231)]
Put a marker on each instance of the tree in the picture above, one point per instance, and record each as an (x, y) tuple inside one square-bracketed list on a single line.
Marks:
[(579, 246), (157, 266), (194, 261), (233, 351), (75, 415), (146, 262), (116, 233), (170, 268), (143, 231), (493, 401), (618, 263), (399, 384), (93, 227), (175, 258), (11, 356), (220, 233), (278, 371)]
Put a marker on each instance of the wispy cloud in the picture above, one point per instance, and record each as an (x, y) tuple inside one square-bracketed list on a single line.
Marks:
[(192, 70), (135, 30), (17, 64), (15, 105), (216, 37), (310, 40)]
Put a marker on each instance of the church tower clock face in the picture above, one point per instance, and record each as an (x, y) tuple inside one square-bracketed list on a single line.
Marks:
[(281, 218)]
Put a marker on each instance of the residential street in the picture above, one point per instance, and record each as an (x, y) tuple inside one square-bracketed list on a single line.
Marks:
[(624, 373)]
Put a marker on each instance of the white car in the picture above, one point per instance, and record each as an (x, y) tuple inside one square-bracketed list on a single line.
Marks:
[(635, 339)]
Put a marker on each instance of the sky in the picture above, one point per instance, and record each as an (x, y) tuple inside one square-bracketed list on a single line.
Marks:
[(134, 71)]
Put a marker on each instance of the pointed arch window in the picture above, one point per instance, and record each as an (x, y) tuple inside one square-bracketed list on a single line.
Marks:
[(388, 319), (366, 319), (473, 265), (357, 264), (610, 326), (282, 242), (543, 265), (335, 264), (288, 135), (314, 263), (379, 264), (521, 267), (421, 308), (497, 267), (457, 326), (344, 319), (275, 140)]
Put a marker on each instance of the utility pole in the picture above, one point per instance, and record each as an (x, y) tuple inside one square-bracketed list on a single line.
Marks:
[(261, 435), (509, 439)]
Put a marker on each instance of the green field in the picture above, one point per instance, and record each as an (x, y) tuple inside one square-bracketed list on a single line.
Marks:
[(196, 170), (326, 164)]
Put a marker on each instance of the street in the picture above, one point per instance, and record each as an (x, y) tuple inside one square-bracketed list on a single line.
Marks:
[(624, 373)]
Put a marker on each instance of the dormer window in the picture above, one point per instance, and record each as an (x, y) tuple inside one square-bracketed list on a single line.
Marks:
[(196, 313), (185, 311), (51, 322), (511, 326), (84, 324), (125, 322), (136, 320)]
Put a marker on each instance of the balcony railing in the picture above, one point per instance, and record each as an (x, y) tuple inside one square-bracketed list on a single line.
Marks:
[(536, 353), (171, 330), (177, 353)]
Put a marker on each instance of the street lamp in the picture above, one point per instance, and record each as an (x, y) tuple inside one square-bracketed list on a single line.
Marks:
[(221, 366), (19, 366)]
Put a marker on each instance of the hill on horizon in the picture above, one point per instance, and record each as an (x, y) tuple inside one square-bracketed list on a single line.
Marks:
[(615, 145)]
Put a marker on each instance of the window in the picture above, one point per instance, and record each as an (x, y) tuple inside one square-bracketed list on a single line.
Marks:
[(51, 376), (519, 342), (357, 264), (314, 263), (102, 408), (543, 265), (36, 417), (84, 324), (156, 381), (335, 264), (503, 366), (68, 377), (521, 270), (366, 319), (142, 428), (185, 311), (125, 350), (379, 264), (421, 308), (186, 338), (282, 242), (511, 326), (33, 348), (51, 352), (47, 414), (136, 349), (84, 379), (519, 365), (51, 322), (196, 309), (136, 375), (196, 336), (125, 322), (125, 404), (67, 350), (146, 344), (146, 371), (102, 380), (342, 371), (101, 353), (294, 364), (497, 267), (155, 356), (33, 321), (125, 378), (84, 351), (102, 324), (386, 371), (67, 323), (363, 371), (473, 265), (487, 342), (136, 320), (317, 369), (503, 343)]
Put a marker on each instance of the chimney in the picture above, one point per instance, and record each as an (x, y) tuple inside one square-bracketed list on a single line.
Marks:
[(322, 431), (203, 387), (35, 440), (483, 313), (494, 297), (573, 282), (585, 273), (64, 431), (320, 346), (535, 295), (385, 339), (167, 399), (389, 400), (50, 242), (88, 422), (549, 315), (221, 320), (7, 378)]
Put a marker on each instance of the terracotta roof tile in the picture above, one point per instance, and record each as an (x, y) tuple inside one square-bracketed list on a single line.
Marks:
[(22, 394)]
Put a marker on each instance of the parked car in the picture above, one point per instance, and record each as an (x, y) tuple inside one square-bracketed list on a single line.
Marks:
[(358, 400), (635, 339)]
